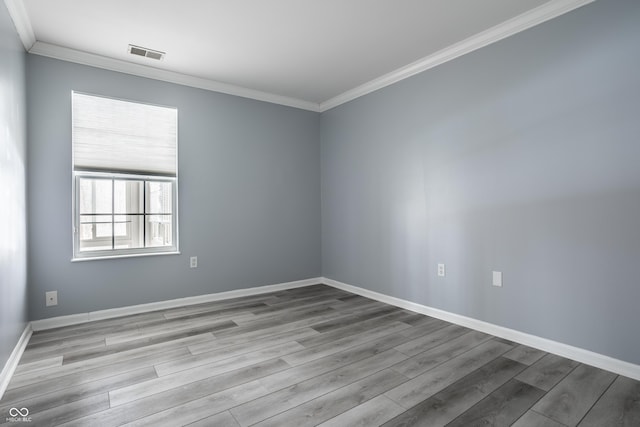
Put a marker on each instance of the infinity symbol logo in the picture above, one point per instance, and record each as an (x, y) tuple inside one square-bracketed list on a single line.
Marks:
[(14, 412)]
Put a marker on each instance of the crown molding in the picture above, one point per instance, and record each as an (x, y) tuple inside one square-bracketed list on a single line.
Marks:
[(508, 28), (99, 61), (21, 20), (547, 11)]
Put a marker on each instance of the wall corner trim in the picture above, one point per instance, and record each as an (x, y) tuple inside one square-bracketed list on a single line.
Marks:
[(20, 18), (581, 355), (14, 359)]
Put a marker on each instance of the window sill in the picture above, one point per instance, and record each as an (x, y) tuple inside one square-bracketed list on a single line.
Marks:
[(100, 257)]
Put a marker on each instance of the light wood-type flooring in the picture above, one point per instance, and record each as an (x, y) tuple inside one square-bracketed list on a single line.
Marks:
[(304, 357)]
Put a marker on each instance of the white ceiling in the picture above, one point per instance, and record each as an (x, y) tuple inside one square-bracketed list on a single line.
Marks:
[(312, 54)]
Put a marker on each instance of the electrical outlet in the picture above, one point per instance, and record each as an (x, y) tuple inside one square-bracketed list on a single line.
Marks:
[(51, 298), (193, 262), (441, 270), (497, 278)]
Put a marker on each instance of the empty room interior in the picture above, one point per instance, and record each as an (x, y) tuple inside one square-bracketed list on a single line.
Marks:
[(335, 213)]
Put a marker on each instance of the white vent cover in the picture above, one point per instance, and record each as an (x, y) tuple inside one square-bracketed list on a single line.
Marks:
[(147, 53)]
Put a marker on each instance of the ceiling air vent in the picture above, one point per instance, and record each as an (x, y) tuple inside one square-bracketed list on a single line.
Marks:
[(147, 53)]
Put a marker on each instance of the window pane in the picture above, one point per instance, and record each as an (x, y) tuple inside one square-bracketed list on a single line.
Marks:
[(129, 231), (159, 230), (120, 225), (95, 232), (85, 192), (102, 196), (86, 231), (159, 198), (103, 229), (127, 196), (95, 196)]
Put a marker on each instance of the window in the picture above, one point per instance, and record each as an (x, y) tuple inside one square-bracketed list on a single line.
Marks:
[(125, 178)]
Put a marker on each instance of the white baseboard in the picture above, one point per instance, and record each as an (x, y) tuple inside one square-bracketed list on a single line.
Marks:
[(14, 359), (581, 355), (575, 353), (74, 319)]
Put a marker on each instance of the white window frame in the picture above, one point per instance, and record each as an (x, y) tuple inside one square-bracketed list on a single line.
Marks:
[(79, 255)]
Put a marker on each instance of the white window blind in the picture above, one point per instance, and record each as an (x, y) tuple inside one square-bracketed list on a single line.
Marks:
[(121, 136)]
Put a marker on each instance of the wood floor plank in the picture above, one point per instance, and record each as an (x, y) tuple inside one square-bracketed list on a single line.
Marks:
[(62, 344), (334, 403), (373, 412), (176, 325), (51, 362), (94, 344), (220, 305), (409, 317), (96, 327), (282, 400), (454, 400), (118, 362), (252, 331), (195, 396), (252, 343), (81, 355), (547, 372), (329, 297), (59, 415), (290, 313), (223, 419), (354, 318), (306, 291), (213, 359), (432, 339), (213, 404), (619, 406), (569, 401), (525, 354), (317, 352), (42, 402), (330, 363), (424, 326), (154, 416), (533, 419), (431, 382), (502, 407), (447, 350), (203, 358), (81, 376), (220, 312), (178, 379), (347, 330)]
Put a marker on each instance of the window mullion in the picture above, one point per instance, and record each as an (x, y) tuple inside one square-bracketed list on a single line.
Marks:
[(144, 212), (113, 210)]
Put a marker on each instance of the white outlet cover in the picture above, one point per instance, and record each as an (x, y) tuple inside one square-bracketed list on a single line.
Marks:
[(441, 270), (497, 278), (51, 298), (193, 262)]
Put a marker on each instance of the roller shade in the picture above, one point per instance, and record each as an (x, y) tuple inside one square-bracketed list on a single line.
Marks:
[(121, 136)]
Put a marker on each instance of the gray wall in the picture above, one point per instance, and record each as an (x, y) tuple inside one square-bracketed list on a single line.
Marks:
[(522, 157), (13, 164), (249, 188)]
